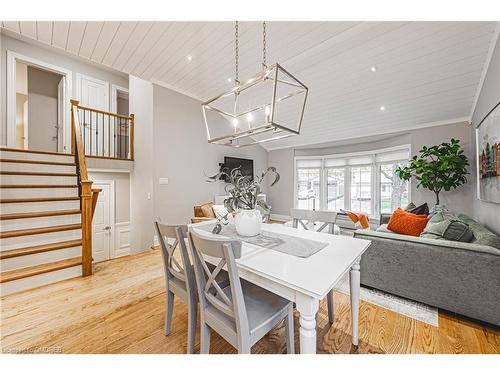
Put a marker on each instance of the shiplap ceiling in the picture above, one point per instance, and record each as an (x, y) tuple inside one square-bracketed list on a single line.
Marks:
[(426, 72)]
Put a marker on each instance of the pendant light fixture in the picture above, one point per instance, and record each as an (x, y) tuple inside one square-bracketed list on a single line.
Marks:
[(266, 107)]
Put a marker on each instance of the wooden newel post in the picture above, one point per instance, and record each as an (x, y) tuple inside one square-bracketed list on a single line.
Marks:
[(132, 124), (86, 202)]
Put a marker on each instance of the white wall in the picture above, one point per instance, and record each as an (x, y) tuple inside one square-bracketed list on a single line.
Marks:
[(48, 55), (487, 213), (281, 196), (183, 154), (141, 178)]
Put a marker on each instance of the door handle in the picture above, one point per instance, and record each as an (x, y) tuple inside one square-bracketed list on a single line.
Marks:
[(107, 228)]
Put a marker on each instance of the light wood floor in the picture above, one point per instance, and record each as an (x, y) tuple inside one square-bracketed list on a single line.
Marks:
[(120, 309)]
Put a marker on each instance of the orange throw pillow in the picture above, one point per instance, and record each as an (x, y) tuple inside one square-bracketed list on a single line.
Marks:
[(404, 222)]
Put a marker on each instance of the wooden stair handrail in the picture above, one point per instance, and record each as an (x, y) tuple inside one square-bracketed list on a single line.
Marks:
[(84, 187)]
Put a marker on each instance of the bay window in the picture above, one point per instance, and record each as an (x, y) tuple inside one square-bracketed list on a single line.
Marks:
[(364, 181)]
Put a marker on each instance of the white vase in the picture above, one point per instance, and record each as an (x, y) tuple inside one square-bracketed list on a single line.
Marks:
[(248, 222)]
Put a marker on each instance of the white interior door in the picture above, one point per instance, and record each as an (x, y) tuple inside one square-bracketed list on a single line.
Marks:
[(102, 225), (94, 93)]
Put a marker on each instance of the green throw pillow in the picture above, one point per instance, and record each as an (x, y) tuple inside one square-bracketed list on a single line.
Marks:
[(482, 236), (444, 224)]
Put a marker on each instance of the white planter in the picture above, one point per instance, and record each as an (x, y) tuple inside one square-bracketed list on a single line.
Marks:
[(248, 222)]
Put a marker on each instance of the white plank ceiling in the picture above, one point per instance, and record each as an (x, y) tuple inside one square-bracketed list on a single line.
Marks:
[(426, 72)]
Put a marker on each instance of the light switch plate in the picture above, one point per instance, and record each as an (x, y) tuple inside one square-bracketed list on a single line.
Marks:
[(163, 180)]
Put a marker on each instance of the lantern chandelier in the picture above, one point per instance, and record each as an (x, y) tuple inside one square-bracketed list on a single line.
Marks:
[(269, 106)]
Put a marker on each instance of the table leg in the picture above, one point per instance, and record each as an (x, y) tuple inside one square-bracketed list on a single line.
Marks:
[(307, 307), (354, 281)]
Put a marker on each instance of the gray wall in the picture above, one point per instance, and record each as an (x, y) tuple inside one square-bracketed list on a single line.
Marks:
[(42, 109), (48, 55), (183, 154), (486, 212), (281, 195)]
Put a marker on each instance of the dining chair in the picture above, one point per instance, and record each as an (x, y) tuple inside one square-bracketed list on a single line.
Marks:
[(180, 278), (242, 313), (328, 219)]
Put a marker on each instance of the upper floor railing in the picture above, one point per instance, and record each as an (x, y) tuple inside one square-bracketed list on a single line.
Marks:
[(105, 135)]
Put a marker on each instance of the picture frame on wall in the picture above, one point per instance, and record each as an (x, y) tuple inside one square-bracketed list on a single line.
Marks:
[(488, 156)]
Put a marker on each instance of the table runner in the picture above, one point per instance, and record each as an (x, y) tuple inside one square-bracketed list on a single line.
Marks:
[(296, 246)]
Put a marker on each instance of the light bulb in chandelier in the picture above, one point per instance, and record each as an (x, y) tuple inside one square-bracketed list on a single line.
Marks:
[(235, 122), (250, 117)]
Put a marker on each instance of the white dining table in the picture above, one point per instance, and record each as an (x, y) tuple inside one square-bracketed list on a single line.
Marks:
[(305, 281)]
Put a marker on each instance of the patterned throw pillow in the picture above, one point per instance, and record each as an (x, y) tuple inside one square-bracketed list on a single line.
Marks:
[(446, 225), (403, 222), (208, 210)]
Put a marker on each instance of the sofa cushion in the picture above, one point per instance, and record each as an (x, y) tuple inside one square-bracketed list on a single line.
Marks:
[(423, 209), (482, 236), (403, 222)]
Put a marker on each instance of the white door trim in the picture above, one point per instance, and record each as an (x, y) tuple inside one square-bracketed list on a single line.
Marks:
[(80, 76), (114, 96), (111, 184), (12, 57)]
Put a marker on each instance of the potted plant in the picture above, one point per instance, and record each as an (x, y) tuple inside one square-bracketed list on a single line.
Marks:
[(437, 168), (244, 198)]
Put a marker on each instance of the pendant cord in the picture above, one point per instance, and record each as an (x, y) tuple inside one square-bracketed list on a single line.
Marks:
[(264, 62), (236, 54)]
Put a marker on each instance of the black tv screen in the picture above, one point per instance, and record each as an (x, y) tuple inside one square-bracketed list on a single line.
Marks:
[(246, 166)]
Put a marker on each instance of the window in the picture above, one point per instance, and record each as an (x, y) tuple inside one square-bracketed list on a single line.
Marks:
[(361, 189), (335, 190), (309, 184), (393, 191), (363, 181)]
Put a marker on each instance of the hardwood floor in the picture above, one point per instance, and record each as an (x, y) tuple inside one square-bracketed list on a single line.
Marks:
[(120, 309)]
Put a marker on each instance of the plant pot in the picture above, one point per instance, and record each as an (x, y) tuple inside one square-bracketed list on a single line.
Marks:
[(248, 222)]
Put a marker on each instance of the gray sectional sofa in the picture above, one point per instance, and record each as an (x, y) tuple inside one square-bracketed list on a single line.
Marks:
[(462, 277)]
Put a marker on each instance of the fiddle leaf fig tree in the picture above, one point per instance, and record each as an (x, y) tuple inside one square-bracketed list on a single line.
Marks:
[(437, 168)]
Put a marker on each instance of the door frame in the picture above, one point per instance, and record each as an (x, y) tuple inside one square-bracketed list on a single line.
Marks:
[(12, 58), (111, 184), (114, 97), (80, 76)]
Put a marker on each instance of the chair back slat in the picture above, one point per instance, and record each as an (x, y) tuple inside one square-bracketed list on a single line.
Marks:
[(327, 218), (174, 269), (209, 291)]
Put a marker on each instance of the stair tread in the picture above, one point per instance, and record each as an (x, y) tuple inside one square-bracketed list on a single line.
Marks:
[(27, 215), (38, 186), (39, 249), (17, 173), (30, 200), (40, 230), (22, 273), (10, 149), (23, 161)]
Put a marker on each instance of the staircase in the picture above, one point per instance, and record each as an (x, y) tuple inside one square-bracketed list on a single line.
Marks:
[(40, 219)]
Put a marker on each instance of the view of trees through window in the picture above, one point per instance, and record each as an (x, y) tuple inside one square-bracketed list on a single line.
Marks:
[(335, 188), (361, 189), (365, 183), (308, 188), (393, 190)]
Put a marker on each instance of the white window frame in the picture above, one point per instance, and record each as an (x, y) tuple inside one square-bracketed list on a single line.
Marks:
[(375, 177)]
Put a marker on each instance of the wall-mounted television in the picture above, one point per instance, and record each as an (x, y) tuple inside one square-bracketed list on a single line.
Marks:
[(246, 166)]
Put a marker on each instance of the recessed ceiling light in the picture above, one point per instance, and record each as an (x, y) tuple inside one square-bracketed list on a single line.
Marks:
[(373, 69), (229, 80), (382, 108), (189, 57)]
